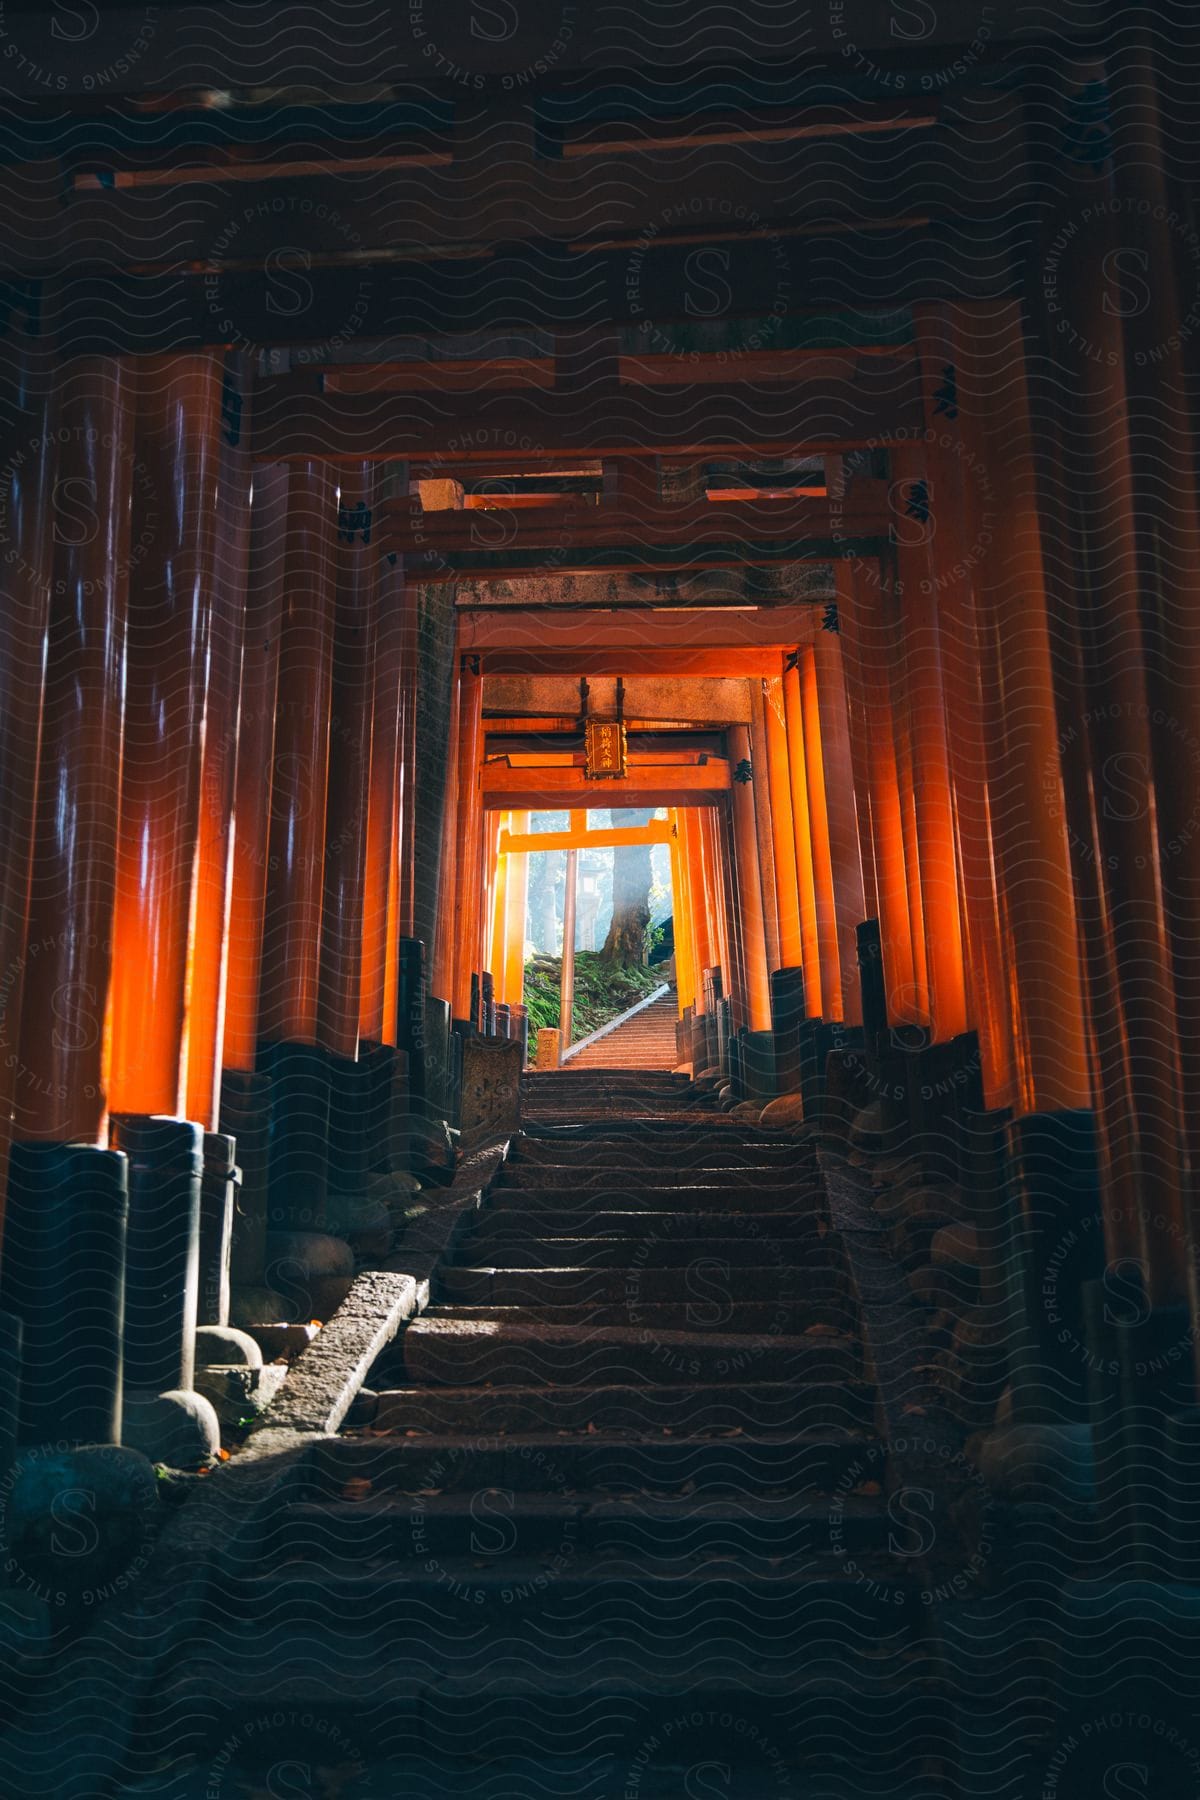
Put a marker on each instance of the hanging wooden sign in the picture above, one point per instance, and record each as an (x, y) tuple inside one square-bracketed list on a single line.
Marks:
[(605, 753)]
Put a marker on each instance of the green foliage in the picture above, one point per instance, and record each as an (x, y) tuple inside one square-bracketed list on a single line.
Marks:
[(601, 992)]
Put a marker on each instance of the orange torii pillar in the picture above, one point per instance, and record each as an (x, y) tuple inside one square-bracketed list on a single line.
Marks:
[(65, 1241), (26, 520), (1050, 1141), (516, 901), (760, 789), (918, 509), (289, 997), (468, 874), (818, 822), (866, 653), (226, 1159), (692, 820), (842, 824), (748, 887), (787, 887), (685, 989), (1157, 336), (806, 887), (359, 1084), (381, 879), (245, 1090)]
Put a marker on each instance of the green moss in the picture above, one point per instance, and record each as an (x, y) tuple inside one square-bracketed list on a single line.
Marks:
[(601, 993)]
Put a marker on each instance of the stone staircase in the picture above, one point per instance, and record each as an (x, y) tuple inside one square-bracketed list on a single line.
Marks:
[(646, 1041), (617, 1522)]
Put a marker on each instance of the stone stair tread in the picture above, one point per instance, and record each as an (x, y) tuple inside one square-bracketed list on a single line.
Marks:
[(682, 1411), (641, 1314), (601, 1507)]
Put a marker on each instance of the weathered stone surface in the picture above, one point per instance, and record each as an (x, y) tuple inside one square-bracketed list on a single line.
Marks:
[(73, 1522), (1051, 1463), (250, 1306), (363, 1220), (956, 1246), (179, 1428), (786, 1110), (491, 1089), (310, 1253), (240, 1395), (222, 1345)]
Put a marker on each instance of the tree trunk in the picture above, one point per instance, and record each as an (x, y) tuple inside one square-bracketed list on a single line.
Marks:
[(625, 945)]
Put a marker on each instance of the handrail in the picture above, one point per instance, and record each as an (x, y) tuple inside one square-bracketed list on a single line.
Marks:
[(621, 1019)]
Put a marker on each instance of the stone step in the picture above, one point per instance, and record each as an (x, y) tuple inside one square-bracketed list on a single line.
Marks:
[(547, 1251), (666, 1178), (467, 1353), (647, 1769), (712, 1606), (677, 1411), (704, 1312), (825, 1280), (761, 1463), (755, 1532), (875, 1702), (649, 1229)]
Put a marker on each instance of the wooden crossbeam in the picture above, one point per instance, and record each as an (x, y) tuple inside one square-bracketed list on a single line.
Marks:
[(132, 48), (841, 403), (611, 839), (502, 193), (522, 286), (686, 784)]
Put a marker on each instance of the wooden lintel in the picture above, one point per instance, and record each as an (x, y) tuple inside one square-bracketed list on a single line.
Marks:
[(614, 838), (691, 784)]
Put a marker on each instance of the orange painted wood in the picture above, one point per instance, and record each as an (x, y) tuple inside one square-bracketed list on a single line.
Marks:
[(749, 892), (166, 678), (208, 966), (839, 781), (925, 702), (296, 875), (818, 818), (378, 976), (806, 888), (355, 638), (791, 946), (470, 811), (27, 471), (255, 766), (60, 1090), (1028, 835)]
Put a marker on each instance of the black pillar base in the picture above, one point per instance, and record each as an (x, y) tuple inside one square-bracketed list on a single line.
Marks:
[(1056, 1247), (787, 1017), (217, 1192), (162, 1261), (245, 1117), (298, 1143), (63, 1277)]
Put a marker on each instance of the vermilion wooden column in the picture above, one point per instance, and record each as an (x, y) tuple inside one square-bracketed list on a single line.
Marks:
[(681, 919), (207, 960), (295, 887), (791, 948), (848, 902), (810, 959), (60, 1090), (170, 612), (760, 789), (27, 455), (408, 770), (516, 901), (497, 957), (714, 863), (818, 819), (1107, 714), (355, 632), (1028, 837), (255, 766), (965, 535), (866, 649), (925, 705), (749, 892), (470, 820), (381, 923), (692, 821), (442, 979), (1158, 231)]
